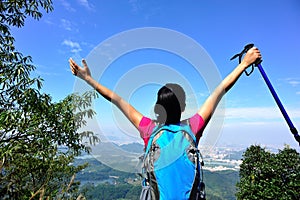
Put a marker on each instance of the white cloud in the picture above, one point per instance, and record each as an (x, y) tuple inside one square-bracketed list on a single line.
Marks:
[(71, 44), (298, 93), (49, 22), (67, 6), (135, 5), (259, 113), (66, 24), (75, 47), (146, 8), (86, 4), (43, 73), (43, 70), (292, 81)]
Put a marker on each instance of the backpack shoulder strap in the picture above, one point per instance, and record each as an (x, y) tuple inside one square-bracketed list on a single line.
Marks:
[(155, 131)]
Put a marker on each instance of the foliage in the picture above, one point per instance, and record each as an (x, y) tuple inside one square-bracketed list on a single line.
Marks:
[(265, 175), (107, 191), (16, 68), (38, 138), (220, 184)]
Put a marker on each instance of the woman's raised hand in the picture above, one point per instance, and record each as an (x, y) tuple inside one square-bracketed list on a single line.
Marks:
[(82, 72), (251, 56)]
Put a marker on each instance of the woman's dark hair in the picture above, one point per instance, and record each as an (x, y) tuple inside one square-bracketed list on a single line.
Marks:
[(170, 104)]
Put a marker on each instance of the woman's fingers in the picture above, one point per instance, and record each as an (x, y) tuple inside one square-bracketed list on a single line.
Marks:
[(84, 63), (73, 66)]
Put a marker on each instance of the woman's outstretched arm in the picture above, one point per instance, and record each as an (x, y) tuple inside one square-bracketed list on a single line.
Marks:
[(209, 106), (84, 73)]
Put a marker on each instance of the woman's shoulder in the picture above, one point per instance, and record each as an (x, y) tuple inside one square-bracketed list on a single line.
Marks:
[(146, 121), (146, 126), (195, 119), (196, 123)]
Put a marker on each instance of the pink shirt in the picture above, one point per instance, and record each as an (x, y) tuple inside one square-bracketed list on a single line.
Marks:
[(147, 125)]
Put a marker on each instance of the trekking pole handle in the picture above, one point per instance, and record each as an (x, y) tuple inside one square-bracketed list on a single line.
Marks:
[(240, 55)]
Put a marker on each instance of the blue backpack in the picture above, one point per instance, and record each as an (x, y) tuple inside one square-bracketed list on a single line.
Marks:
[(171, 165)]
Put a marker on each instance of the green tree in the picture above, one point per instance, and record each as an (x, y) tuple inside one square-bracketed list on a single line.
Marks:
[(38, 138), (266, 175)]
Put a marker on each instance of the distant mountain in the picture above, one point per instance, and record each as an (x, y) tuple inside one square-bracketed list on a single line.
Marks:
[(235, 155), (120, 157), (133, 147)]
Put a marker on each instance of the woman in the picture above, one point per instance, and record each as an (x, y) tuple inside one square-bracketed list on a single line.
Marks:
[(168, 108)]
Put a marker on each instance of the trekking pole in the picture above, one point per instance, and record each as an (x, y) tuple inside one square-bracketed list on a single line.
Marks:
[(275, 96)]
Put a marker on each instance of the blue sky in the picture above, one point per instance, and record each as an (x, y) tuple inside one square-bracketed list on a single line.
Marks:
[(75, 28)]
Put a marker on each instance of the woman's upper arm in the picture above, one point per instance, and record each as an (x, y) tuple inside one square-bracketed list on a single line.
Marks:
[(129, 111), (209, 106)]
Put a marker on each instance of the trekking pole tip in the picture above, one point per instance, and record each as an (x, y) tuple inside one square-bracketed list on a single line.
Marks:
[(296, 135)]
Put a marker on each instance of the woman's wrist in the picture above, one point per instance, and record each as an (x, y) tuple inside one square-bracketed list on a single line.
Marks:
[(244, 65), (88, 79)]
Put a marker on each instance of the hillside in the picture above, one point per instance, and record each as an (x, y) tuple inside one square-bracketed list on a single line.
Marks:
[(99, 181)]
